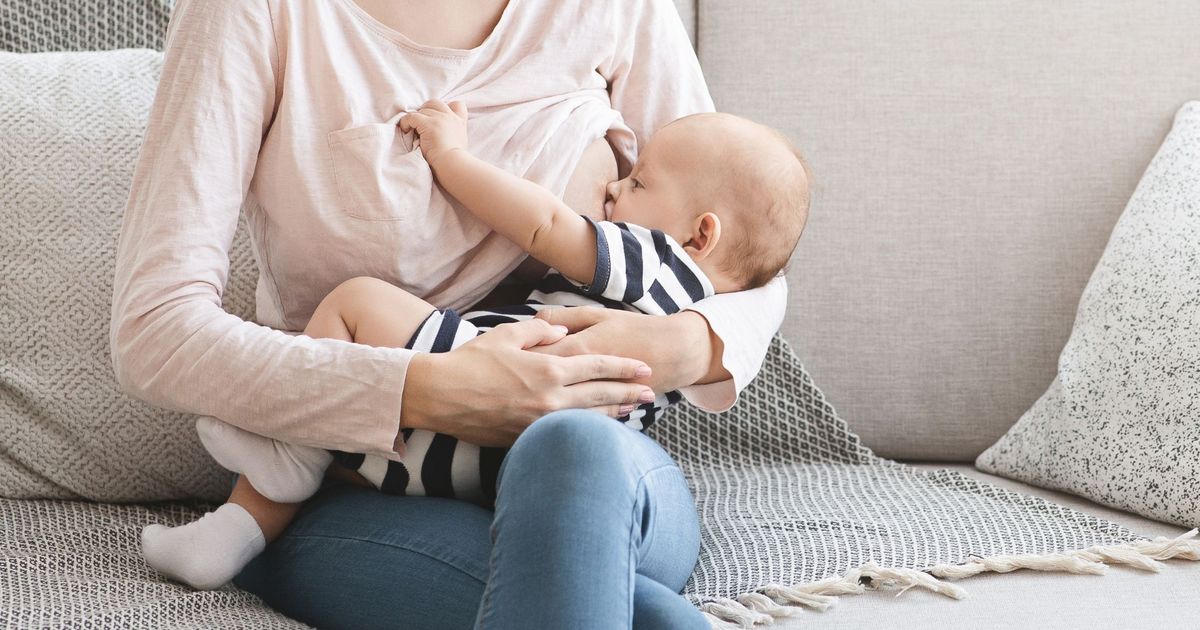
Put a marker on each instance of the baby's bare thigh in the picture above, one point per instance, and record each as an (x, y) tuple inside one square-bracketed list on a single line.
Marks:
[(376, 312)]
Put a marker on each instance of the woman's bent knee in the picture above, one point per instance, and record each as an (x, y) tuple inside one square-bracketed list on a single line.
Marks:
[(573, 422), (583, 443), (573, 430)]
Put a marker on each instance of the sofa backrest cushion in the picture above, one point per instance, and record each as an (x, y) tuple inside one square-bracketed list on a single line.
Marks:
[(971, 159)]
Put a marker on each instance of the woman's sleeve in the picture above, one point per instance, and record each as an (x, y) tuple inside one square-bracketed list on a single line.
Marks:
[(172, 344), (745, 321), (653, 74), (654, 77)]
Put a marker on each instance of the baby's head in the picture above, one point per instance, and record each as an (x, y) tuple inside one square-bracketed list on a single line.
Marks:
[(733, 192)]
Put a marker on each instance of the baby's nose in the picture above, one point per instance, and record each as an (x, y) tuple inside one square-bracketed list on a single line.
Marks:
[(613, 188)]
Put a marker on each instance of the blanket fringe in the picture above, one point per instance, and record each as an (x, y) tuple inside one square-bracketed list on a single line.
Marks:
[(776, 600)]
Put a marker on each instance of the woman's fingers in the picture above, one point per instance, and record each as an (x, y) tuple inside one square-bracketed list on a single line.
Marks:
[(459, 108), (600, 367), (575, 318), (528, 333), (615, 411), (606, 394), (569, 346)]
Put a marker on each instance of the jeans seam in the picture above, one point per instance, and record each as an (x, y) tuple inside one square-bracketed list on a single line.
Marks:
[(636, 522), (391, 545), (486, 604)]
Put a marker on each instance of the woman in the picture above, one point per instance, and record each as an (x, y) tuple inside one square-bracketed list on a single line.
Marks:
[(291, 106)]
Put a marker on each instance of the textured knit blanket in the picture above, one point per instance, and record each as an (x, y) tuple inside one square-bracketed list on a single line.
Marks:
[(794, 511)]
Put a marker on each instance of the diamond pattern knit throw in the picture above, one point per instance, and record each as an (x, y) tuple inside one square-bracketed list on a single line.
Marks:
[(51, 25), (795, 511)]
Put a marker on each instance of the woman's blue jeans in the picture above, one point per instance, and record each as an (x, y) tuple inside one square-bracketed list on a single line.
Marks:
[(594, 527)]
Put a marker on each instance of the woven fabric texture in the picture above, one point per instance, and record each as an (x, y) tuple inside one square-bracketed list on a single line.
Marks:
[(1120, 423), (70, 128), (41, 26), (67, 564)]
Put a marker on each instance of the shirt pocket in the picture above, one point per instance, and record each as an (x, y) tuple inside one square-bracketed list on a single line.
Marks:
[(379, 174)]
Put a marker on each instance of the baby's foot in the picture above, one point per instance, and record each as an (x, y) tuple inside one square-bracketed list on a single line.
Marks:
[(206, 553), (282, 472)]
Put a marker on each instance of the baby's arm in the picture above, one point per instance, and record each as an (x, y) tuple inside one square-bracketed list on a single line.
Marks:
[(520, 210)]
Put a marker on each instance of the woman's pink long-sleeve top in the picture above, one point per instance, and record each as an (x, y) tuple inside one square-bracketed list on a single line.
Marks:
[(291, 107)]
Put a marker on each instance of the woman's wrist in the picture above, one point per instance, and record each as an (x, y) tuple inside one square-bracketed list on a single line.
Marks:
[(418, 400), (707, 349)]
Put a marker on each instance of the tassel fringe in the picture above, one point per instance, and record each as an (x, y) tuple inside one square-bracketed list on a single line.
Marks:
[(776, 600)]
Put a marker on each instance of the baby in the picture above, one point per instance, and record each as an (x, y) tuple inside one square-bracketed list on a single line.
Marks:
[(715, 204)]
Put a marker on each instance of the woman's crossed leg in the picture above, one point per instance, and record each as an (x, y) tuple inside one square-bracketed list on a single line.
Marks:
[(594, 528)]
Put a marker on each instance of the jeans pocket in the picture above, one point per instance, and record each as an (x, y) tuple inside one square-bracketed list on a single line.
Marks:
[(379, 174)]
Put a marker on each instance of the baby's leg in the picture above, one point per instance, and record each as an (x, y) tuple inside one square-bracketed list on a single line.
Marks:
[(369, 311), (362, 310), (209, 552), (276, 476)]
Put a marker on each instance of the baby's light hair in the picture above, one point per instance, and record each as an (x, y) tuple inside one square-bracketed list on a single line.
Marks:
[(771, 200)]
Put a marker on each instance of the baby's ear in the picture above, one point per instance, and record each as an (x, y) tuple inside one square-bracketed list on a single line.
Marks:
[(706, 231)]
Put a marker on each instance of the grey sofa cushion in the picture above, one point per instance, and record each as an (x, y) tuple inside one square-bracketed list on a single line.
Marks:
[(971, 159), (70, 128), (1120, 424), (53, 25)]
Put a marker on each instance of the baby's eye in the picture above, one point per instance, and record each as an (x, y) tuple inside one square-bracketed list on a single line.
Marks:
[(636, 183)]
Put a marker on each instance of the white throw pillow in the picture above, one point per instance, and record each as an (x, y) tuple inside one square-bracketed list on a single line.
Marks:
[(71, 125), (1120, 424)]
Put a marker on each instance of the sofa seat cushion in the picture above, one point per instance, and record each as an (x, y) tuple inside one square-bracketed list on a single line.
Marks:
[(76, 563)]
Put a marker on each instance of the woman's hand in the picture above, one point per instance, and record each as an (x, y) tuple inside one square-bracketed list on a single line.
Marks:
[(681, 348), (441, 128), (491, 388)]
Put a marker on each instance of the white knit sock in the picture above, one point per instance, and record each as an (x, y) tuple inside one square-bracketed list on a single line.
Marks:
[(206, 553), (282, 472)]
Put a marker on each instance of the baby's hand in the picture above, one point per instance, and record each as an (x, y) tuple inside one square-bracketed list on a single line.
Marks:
[(441, 128)]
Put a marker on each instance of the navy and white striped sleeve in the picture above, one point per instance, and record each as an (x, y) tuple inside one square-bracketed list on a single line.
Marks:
[(645, 268)]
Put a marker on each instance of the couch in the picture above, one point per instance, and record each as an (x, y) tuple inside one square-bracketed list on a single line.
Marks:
[(970, 160)]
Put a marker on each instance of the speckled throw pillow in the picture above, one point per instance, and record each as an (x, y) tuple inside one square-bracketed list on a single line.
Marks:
[(1120, 424)]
